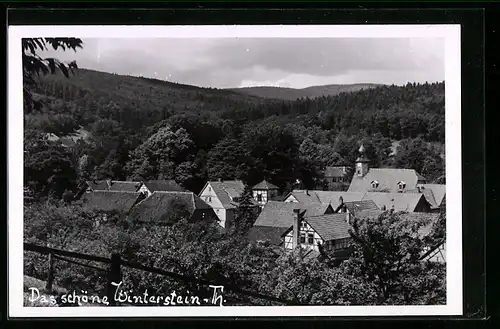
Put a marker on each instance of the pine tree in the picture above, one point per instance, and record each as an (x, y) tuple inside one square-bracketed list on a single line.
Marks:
[(245, 213)]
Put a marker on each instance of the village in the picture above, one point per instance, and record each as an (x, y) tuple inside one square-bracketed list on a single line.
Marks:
[(313, 220)]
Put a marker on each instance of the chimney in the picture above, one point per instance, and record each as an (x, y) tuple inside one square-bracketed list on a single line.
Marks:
[(296, 228)]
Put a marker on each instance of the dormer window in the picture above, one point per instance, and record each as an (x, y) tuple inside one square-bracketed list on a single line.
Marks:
[(401, 186), (374, 184)]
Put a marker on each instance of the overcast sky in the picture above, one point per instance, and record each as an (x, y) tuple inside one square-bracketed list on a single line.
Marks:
[(285, 62)]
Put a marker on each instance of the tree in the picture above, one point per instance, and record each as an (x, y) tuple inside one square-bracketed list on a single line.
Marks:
[(246, 213), (387, 250), (416, 154), (33, 64), (166, 154), (228, 159), (48, 167)]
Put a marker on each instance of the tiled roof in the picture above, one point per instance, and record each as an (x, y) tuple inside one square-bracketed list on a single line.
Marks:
[(163, 185), (280, 214), (387, 178), (266, 233), (400, 201), (331, 197), (355, 206), (158, 205), (330, 227), (109, 200), (226, 190), (113, 185), (336, 171), (265, 185), (438, 191)]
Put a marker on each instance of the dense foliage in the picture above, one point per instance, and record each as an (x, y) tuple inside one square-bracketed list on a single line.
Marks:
[(384, 269)]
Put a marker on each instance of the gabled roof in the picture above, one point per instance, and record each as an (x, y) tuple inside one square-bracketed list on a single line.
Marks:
[(338, 171), (265, 185), (114, 185), (110, 200), (355, 206), (158, 205), (266, 233), (163, 185), (330, 227), (387, 178), (280, 214), (438, 191), (400, 201), (227, 190), (331, 197)]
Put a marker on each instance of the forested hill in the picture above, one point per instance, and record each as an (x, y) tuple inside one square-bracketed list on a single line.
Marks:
[(292, 94), (149, 129)]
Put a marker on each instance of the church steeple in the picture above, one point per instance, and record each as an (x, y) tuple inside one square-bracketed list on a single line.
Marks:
[(362, 162)]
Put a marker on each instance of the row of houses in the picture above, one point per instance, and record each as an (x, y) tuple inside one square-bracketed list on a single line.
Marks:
[(305, 218), (321, 220)]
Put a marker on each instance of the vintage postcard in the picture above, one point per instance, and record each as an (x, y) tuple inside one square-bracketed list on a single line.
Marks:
[(222, 171)]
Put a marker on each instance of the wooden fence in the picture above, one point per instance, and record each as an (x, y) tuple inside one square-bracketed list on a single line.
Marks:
[(115, 262)]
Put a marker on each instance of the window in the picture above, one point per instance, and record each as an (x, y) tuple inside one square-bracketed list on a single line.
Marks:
[(401, 185), (259, 197), (209, 189), (302, 238), (310, 238), (209, 199), (303, 224), (374, 184)]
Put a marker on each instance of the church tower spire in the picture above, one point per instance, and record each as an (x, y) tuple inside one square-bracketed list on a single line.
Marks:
[(362, 162)]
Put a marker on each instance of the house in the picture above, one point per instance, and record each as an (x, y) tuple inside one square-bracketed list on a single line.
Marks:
[(111, 200), (223, 197), (393, 180), (410, 202), (327, 233), (264, 192), (151, 186), (353, 207), (166, 207), (276, 217), (338, 174), (435, 195), (335, 198)]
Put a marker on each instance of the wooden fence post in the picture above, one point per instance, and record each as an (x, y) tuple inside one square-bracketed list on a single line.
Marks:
[(114, 275), (50, 278)]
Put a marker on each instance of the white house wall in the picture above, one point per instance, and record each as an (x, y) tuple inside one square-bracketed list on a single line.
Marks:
[(306, 229), (208, 195)]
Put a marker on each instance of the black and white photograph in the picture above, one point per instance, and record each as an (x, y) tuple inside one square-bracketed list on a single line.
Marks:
[(234, 170)]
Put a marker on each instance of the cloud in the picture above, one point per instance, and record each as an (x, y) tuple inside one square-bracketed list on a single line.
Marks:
[(234, 62)]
